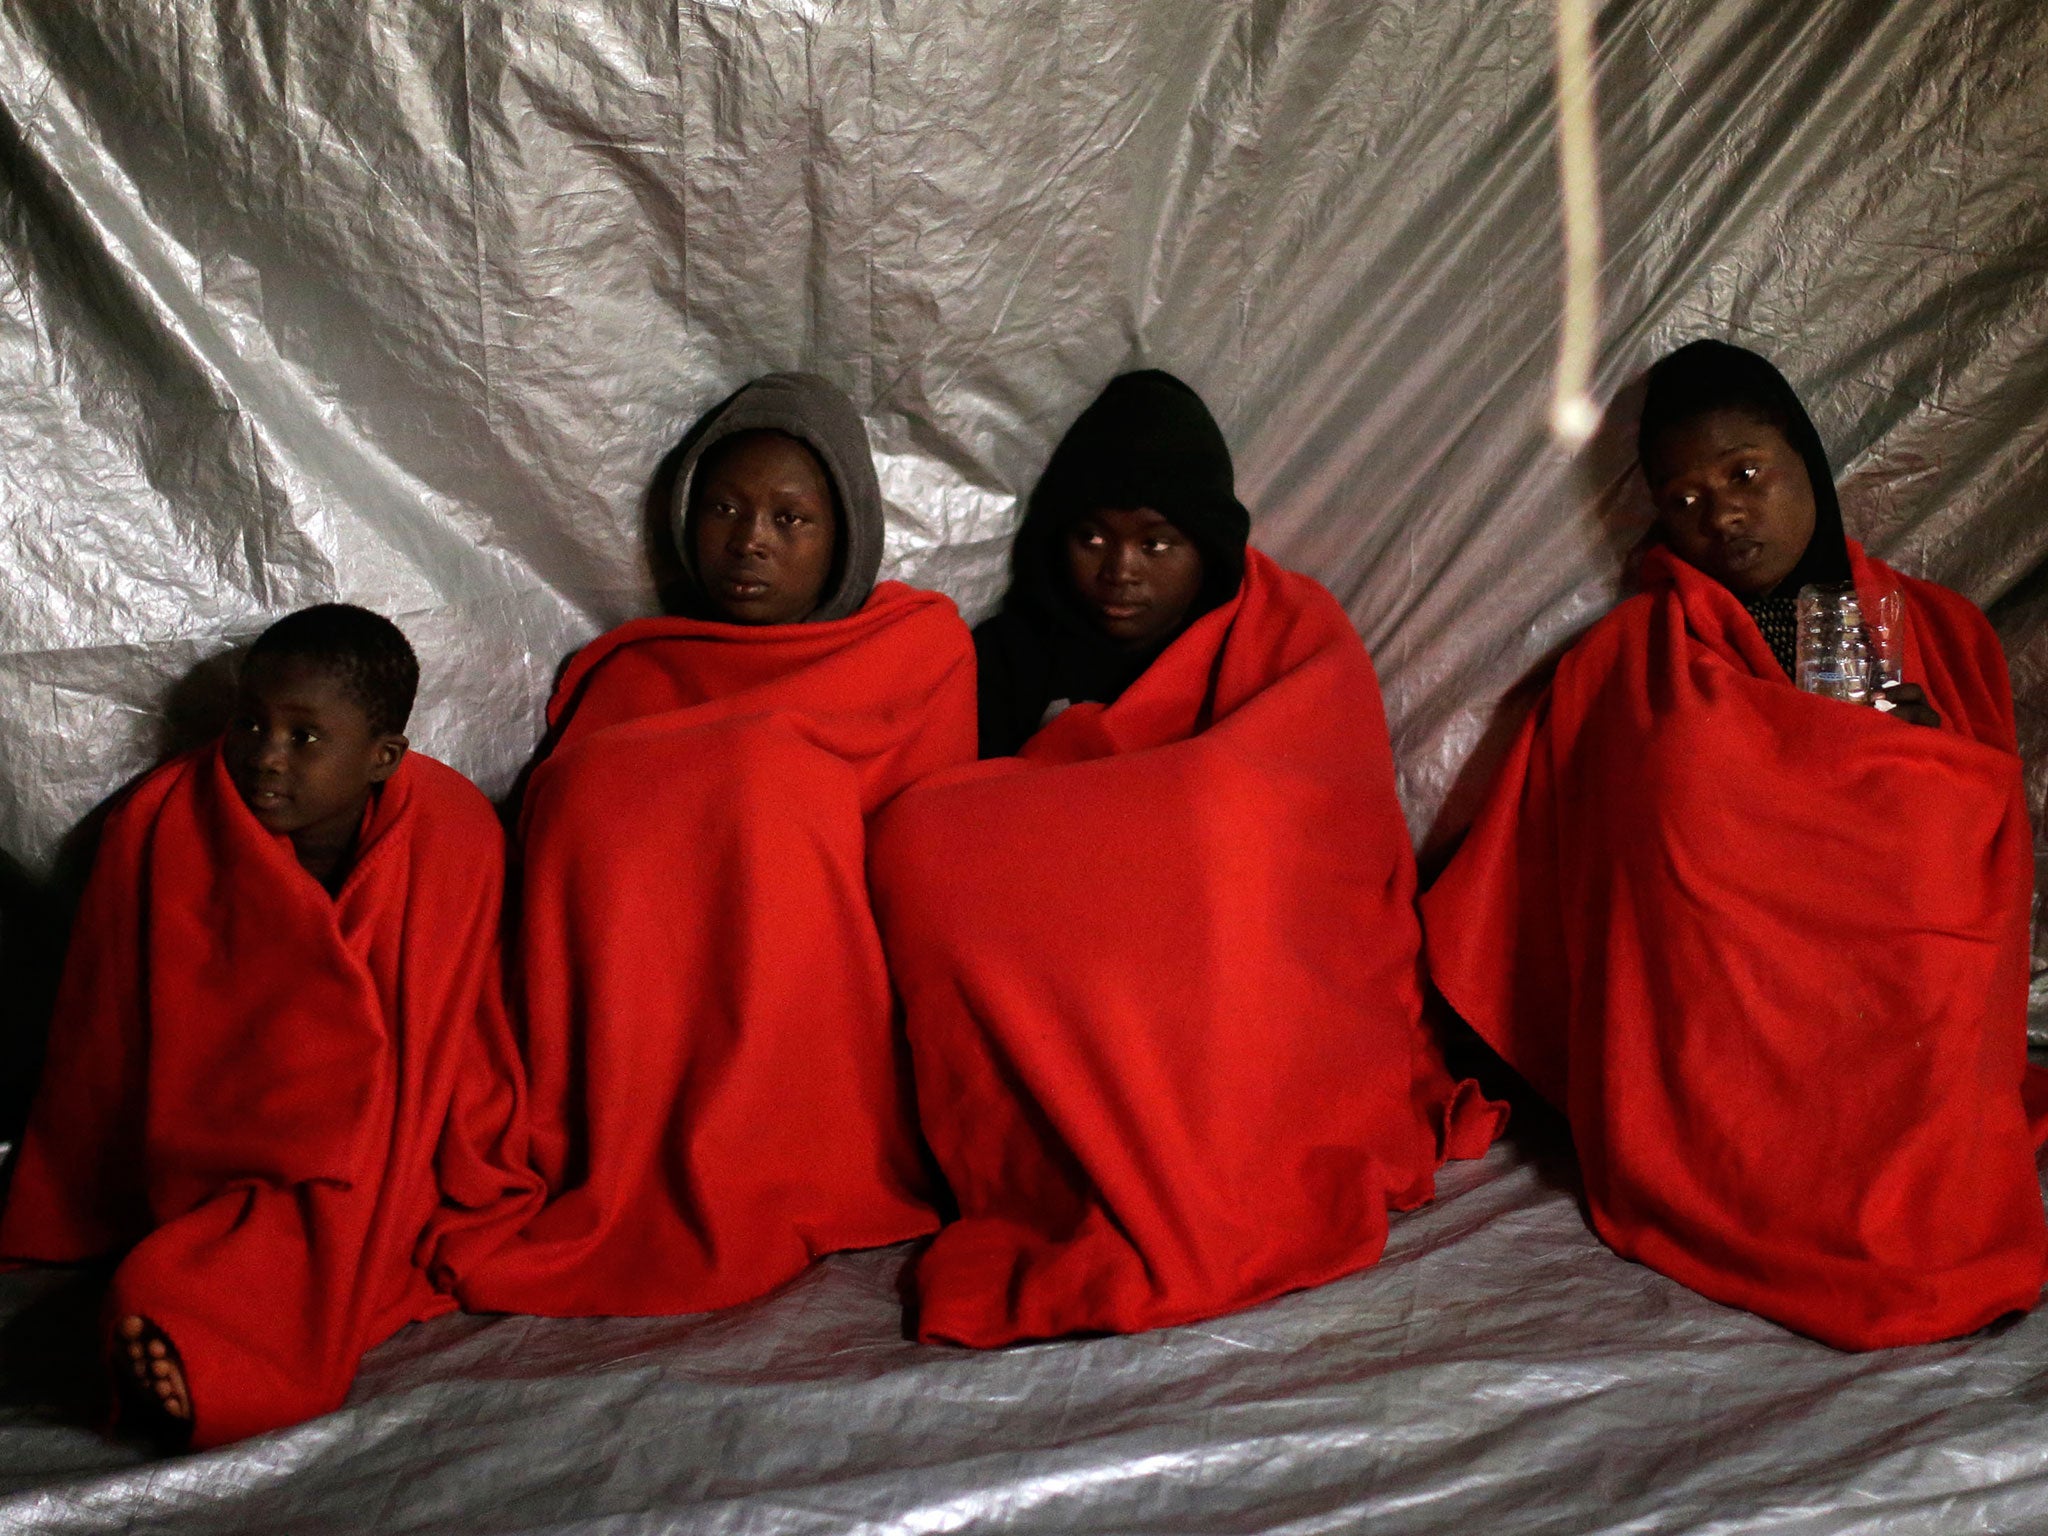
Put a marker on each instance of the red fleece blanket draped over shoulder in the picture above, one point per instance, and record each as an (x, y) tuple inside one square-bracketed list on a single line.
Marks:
[(718, 1088), (1161, 978), (286, 1106), (1769, 953)]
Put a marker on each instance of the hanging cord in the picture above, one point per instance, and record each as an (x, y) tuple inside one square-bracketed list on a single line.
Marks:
[(1573, 415)]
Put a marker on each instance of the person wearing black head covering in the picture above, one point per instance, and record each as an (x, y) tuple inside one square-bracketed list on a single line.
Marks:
[(1767, 949), (1147, 445), (1158, 968), (1706, 380)]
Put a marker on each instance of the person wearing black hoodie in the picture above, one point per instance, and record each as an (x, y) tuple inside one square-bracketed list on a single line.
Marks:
[(1157, 955), (1133, 533)]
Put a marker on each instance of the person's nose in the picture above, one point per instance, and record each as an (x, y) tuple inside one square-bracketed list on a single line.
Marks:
[(1725, 515), (1120, 564), (269, 756), (749, 535)]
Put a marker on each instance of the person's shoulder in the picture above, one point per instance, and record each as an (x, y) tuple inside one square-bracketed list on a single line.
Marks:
[(447, 806), (1007, 632), (1589, 661), (620, 636), (1621, 628), (1301, 590), (1948, 610), (140, 801), (900, 601), (454, 846), (916, 620), (575, 673), (1294, 597)]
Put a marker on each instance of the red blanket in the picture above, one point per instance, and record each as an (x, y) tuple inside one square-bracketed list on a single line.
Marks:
[(719, 1094), (1769, 953), (282, 1104), (1161, 979)]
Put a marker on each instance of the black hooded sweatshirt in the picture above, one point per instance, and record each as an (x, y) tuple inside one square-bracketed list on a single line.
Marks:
[(1147, 441)]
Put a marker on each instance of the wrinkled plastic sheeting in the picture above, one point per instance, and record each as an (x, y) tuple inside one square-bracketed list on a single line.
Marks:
[(1499, 1371), (402, 301)]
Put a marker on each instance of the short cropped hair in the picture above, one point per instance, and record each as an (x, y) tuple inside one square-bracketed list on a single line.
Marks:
[(366, 651)]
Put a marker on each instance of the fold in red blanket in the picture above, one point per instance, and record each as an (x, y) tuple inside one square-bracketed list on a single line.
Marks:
[(1769, 953), (1161, 982), (719, 1090), (284, 1105)]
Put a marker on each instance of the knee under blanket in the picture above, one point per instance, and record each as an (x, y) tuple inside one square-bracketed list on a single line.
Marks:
[(718, 1086), (1769, 953), (1161, 980), (286, 1102)]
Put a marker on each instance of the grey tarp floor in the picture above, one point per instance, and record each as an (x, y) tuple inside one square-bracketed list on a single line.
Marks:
[(1500, 1371)]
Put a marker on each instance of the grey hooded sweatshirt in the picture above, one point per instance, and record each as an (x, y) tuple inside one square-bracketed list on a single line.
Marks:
[(818, 414)]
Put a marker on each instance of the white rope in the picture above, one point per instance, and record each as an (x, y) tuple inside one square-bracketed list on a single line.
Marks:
[(1573, 415)]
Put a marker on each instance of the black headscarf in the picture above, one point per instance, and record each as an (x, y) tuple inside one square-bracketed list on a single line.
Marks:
[(1147, 441), (1706, 376)]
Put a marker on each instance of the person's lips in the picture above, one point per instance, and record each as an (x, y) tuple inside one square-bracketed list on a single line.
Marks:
[(1120, 612), (742, 589), (1739, 554), (264, 797)]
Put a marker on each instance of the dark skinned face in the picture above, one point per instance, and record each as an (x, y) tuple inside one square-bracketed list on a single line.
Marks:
[(303, 757), (762, 527), (1733, 497), (1135, 572)]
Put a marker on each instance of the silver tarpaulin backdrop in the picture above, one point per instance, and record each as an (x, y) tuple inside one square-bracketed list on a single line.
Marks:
[(403, 302)]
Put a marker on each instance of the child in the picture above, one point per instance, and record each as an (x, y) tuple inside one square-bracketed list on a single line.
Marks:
[(1160, 971), (717, 1081), (280, 1076), (1768, 951)]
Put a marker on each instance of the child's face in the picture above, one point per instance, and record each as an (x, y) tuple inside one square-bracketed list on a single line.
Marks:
[(763, 529), (1137, 573), (301, 752)]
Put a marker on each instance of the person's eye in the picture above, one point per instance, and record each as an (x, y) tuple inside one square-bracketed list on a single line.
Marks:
[(246, 724), (304, 736), (790, 519), (1746, 473), (1157, 546)]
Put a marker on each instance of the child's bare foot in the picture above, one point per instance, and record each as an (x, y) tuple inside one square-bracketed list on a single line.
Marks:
[(155, 1379)]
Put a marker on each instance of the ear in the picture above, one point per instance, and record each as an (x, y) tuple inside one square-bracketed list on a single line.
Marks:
[(385, 756)]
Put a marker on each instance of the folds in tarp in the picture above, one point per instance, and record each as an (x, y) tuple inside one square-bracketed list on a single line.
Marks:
[(404, 301)]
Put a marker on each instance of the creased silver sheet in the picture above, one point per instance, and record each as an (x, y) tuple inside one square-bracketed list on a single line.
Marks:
[(1499, 1371), (404, 300)]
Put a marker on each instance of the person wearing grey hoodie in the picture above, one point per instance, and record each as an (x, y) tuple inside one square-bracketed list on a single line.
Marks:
[(717, 1084), (778, 515)]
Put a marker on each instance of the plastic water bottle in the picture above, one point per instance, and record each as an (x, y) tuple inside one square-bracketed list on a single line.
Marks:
[(1833, 651)]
